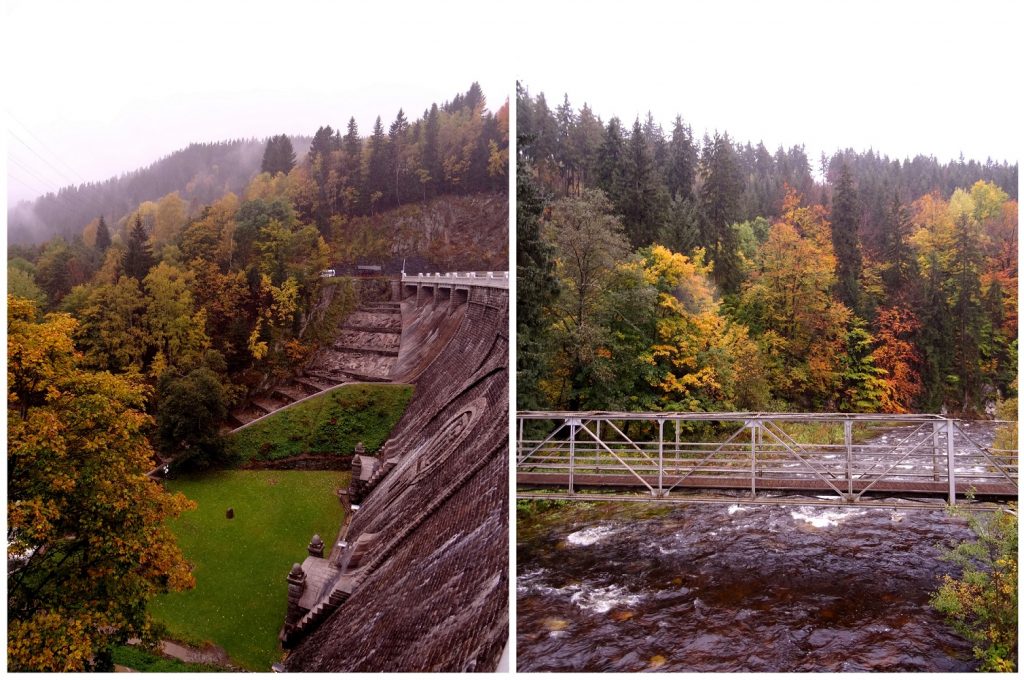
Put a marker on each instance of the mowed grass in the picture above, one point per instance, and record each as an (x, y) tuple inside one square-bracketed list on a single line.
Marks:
[(331, 423), (240, 564)]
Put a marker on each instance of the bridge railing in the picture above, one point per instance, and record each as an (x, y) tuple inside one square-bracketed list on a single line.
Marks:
[(847, 456)]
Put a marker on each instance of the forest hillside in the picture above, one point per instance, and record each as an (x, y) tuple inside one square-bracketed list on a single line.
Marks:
[(660, 271)]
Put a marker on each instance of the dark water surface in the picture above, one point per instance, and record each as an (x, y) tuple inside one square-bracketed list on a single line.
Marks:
[(735, 588)]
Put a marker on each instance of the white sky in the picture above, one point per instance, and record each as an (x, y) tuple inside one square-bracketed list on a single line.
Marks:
[(96, 88), (901, 77)]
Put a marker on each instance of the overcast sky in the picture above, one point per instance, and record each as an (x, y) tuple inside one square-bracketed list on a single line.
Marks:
[(93, 89), (903, 78)]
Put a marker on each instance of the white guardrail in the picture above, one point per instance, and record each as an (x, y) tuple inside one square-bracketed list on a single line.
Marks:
[(481, 279)]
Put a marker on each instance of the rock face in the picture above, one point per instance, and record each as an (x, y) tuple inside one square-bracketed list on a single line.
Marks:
[(419, 579)]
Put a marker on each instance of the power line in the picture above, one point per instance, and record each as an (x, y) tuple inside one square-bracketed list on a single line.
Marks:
[(40, 157), (44, 145), (73, 199)]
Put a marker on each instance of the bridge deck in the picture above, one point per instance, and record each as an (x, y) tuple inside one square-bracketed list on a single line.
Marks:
[(938, 489)]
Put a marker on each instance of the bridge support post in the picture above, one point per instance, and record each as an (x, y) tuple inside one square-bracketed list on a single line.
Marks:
[(935, 451), (848, 440), (573, 424), (754, 427), (951, 463), (661, 456), (520, 445)]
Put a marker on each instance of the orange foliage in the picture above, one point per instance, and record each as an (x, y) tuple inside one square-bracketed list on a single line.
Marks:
[(898, 356)]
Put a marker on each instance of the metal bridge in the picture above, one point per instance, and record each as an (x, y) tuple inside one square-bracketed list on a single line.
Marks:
[(777, 458)]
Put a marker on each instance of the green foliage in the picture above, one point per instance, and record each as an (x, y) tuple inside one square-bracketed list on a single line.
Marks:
[(21, 283), (328, 424), (982, 603), (190, 412), (240, 564), (536, 288), (140, 660)]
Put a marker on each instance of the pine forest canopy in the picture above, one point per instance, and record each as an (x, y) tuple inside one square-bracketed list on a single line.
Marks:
[(662, 271)]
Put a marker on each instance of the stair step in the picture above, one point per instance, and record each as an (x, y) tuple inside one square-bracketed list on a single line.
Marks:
[(371, 329), (384, 351)]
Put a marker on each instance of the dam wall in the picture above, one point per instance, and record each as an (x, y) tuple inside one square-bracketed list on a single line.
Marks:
[(418, 578)]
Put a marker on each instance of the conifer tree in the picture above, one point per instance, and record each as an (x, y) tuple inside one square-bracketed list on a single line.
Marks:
[(845, 241), (279, 155), (138, 258), (102, 236), (719, 204), (611, 159), (431, 155), (396, 154), (376, 167), (642, 202), (537, 288)]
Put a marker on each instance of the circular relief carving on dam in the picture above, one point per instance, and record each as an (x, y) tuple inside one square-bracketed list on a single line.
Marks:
[(427, 461), (447, 438)]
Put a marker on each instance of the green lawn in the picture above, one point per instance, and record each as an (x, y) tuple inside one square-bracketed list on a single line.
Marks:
[(240, 597), (332, 423)]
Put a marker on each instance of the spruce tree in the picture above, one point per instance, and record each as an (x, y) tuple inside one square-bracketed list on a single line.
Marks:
[(536, 286), (138, 257), (279, 155), (643, 202), (396, 154), (845, 241), (431, 155), (682, 161), (376, 168), (719, 206), (611, 161), (102, 236)]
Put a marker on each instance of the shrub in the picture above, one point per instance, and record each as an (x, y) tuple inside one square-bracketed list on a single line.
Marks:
[(982, 604)]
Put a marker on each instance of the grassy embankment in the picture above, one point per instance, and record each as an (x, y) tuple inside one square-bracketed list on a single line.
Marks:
[(331, 423), (240, 564), (148, 662)]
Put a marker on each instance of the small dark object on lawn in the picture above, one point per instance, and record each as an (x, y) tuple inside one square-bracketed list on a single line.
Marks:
[(231, 513)]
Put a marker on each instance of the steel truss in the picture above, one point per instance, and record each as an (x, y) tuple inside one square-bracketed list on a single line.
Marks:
[(769, 455)]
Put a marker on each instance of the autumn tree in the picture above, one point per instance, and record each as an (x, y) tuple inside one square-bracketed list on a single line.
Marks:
[(87, 541), (789, 307), (588, 241), (703, 361), (897, 355)]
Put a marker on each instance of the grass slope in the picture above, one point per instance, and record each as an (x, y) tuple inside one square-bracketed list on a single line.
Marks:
[(240, 597), (331, 423)]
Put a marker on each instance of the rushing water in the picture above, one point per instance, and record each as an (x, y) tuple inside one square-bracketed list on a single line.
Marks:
[(736, 588)]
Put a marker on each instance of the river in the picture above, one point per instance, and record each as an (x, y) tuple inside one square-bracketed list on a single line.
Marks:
[(735, 588), (632, 587)]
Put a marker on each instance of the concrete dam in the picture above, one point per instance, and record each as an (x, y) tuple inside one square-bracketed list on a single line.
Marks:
[(417, 579)]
